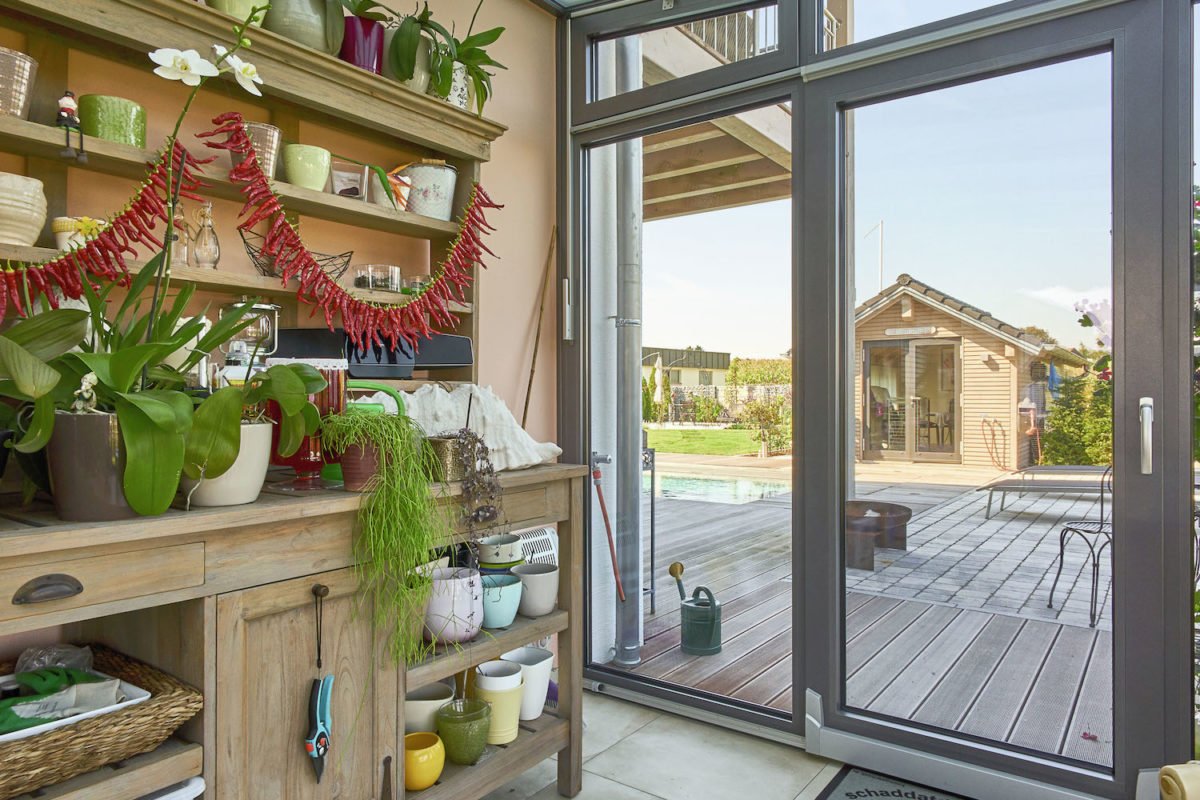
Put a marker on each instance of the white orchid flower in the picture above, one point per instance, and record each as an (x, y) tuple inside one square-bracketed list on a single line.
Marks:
[(182, 65), (244, 72)]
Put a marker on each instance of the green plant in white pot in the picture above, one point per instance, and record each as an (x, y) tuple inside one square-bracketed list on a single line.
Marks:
[(459, 67), (408, 47)]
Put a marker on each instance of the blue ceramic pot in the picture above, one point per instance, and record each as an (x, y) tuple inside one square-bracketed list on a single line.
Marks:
[(501, 599)]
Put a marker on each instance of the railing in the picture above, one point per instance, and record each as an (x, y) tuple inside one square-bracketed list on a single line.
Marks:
[(739, 36), (832, 26)]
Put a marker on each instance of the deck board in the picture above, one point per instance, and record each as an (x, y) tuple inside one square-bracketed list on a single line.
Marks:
[(997, 707), (946, 705), (1043, 722), (865, 684), (1086, 739)]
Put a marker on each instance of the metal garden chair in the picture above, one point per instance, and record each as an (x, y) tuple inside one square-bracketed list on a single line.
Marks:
[(1097, 535)]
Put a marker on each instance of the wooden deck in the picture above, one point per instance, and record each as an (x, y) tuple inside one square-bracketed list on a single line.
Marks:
[(1034, 684)]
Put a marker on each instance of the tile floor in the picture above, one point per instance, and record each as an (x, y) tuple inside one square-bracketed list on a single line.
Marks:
[(636, 753)]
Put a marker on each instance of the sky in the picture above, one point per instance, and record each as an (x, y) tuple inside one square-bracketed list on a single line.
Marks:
[(996, 192)]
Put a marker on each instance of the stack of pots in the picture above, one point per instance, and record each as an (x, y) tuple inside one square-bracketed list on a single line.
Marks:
[(500, 684)]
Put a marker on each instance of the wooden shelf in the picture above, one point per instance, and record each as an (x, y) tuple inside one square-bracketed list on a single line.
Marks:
[(397, 298), (489, 645), (32, 139), (536, 741), (173, 762), (298, 75)]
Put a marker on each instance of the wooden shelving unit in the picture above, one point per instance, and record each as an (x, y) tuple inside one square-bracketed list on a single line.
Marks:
[(488, 646)]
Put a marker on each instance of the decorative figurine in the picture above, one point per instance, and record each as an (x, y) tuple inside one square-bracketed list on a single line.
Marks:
[(68, 120)]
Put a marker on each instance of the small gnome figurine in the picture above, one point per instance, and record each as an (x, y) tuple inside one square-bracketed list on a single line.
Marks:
[(68, 120)]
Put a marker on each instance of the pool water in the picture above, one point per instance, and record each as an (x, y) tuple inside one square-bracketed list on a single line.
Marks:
[(731, 491)]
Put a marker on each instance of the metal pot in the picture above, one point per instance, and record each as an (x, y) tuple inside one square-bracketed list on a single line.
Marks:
[(86, 459)]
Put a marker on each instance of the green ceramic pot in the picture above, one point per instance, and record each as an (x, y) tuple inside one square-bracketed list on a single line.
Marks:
[(240, 9), (312, 23), (307, 166), (113, 118)]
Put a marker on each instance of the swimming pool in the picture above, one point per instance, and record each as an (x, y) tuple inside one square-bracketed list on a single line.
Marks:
[(731, 491)]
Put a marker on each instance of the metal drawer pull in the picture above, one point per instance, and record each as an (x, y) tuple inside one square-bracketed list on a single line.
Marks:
[(45, 588)]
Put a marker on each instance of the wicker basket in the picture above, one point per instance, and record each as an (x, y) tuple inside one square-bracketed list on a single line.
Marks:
[(443, 451), (58, 755)]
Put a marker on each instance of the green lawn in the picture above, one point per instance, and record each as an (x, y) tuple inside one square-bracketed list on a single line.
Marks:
[(714, 442)]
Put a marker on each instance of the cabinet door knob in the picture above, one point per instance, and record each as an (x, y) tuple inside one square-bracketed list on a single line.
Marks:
[(44, 588)]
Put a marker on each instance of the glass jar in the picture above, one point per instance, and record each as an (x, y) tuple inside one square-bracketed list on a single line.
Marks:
[(206, 248)]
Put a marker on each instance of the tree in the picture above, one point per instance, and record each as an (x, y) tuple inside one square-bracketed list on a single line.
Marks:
[(1079, 428), (760, 372), (766, 418), (1040, 333), (649, 412), (664, 408)]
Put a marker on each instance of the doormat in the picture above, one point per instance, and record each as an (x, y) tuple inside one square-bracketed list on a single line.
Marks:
[(853, 783)]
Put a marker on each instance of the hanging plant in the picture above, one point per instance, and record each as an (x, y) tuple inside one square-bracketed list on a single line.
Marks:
[(399, 523), (481, 490)]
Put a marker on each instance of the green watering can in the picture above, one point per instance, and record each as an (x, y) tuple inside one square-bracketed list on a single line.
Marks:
[(333, 472), (700, 618)]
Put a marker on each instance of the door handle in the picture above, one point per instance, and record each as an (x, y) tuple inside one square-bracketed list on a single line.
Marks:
[(1146, 421)]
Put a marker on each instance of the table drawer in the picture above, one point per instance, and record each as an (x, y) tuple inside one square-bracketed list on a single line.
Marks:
[(35, 589)]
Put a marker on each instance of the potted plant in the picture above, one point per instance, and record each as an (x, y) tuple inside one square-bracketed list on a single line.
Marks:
[(457, 67), (228, 449), (399, 523), (362, 44), (408, 46), (314, 23)]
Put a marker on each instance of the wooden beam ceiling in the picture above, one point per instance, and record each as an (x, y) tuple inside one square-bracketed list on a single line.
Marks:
[(749, 195), (699, 157), (712, 181)]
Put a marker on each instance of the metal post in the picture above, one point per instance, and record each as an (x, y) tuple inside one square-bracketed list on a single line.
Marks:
[(629, 368)]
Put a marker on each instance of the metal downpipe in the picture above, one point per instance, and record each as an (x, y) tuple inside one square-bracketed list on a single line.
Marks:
[(628, 467)]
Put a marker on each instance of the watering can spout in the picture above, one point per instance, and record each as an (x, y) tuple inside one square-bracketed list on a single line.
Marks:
[(676, 572)]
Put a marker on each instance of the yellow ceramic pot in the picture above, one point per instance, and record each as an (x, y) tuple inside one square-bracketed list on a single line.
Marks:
[(424, 760), (506, 712)]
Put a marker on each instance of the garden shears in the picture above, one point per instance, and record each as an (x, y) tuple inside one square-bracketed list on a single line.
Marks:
[(317, 743)]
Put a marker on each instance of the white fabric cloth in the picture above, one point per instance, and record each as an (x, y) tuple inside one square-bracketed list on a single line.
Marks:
[(438, 411)]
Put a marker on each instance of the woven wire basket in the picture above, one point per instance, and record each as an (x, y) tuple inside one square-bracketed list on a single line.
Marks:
[(334, 266), (63, 753)]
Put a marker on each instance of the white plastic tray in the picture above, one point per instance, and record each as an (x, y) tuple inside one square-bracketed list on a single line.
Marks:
[(133, 696), (192, 788)]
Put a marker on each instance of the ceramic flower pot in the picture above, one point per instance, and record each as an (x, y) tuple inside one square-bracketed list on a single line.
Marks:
[(362, 44), (541, 588), (239, 9), (113, 118), (22, 209), (359, 465), (432, 193), (419, 82), (86, 460), (307, 166), (424, 760), (17, 74), (503, 548), (312, 23), (460, 94), (242, 482), (455, 612), (536, 665), (421, 705), (506, 712), (463, 727), (497, 676), (501, 599)]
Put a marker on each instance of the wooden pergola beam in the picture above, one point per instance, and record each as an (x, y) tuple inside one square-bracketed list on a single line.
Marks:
[(749, 195), (694, 158), (681, 137), (737, 176)]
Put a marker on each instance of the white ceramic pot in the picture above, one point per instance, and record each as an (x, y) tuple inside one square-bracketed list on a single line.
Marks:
[(22, 209), (536, 665), (421, 705), (419, 82), (432, 192), (455, 612), (497, 675), (541, 588), (503, 548), (244, 480), (460, 88)]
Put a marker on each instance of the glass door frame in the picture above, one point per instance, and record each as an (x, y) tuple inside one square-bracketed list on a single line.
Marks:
[(934, 456), (886, 454), (1151, 147)]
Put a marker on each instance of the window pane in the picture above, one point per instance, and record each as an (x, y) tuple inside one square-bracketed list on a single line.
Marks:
[(977, 529), (677, 51), (850, 21)]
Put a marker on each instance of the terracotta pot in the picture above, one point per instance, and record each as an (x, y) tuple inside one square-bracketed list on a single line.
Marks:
[(455, 612), (359, 465), (242, 482), (86, 459), (362, 45)]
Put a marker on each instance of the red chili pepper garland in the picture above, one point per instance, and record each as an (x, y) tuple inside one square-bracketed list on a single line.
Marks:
[(365, 323), (104, 256)]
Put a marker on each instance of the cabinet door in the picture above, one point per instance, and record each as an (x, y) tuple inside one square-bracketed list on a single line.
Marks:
[(266, 662)]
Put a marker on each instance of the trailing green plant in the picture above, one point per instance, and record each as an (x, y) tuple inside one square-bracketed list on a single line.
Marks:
[(469, 52), (399, 523)]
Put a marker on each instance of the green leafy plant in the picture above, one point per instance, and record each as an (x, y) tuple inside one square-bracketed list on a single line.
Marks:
[(399, 523), (471, 54), (367, 9), (402, 54)]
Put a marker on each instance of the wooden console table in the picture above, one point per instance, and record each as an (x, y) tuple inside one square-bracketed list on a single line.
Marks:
[(221, 598)]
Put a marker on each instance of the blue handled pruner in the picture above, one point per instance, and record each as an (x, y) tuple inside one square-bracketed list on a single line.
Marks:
[(320, 724)]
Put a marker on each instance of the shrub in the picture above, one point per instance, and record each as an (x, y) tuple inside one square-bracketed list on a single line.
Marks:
[(706, 409), (1079, 425)]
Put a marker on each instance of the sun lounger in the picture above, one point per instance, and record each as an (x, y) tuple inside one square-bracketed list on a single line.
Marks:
[(1023, 486)]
